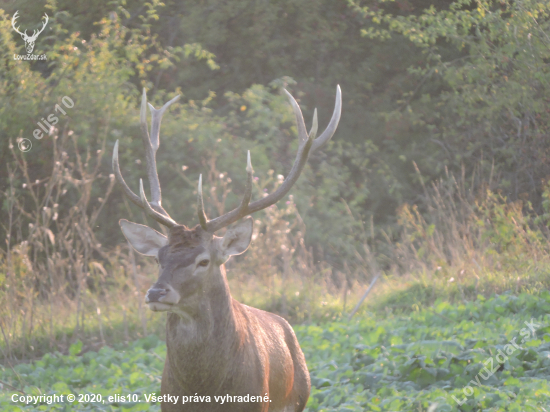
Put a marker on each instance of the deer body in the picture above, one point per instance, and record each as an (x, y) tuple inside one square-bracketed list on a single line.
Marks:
[(216, 346), (249, 360), (239, 370)]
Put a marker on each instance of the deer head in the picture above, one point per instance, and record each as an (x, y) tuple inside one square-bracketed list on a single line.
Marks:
[(190, 264), (29, 40)]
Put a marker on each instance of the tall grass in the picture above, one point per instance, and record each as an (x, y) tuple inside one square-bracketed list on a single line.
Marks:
[(464, 238), (57, 282)]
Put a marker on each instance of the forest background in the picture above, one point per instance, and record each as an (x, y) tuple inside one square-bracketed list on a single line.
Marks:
[(437, 177)]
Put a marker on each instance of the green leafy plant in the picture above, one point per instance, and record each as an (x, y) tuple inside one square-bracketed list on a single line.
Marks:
[(380, 363)]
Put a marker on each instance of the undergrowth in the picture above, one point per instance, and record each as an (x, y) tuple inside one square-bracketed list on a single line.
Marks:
[(446, 358)]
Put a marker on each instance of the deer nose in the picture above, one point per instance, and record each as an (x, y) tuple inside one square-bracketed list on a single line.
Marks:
[(154, 295)]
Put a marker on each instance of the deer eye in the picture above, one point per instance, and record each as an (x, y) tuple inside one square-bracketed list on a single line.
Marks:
[(204, 262)]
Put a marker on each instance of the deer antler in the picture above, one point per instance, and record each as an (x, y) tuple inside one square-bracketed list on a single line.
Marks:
[(307, 143), (151, 144)]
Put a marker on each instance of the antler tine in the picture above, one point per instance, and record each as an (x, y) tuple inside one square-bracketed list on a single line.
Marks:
[(307, 142), (127, 191), (235, 214), (200, 206), (333, 124), (139, 201), (248, 186), (151, 143), (302, 133), (314, 126)]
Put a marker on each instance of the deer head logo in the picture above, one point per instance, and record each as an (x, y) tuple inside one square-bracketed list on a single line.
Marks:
[(29, 40)]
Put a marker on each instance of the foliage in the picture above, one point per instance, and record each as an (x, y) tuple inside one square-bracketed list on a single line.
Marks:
[(210, 51), (474, 89), (376, 363), (100, 74), (54, 198), (482, 88)]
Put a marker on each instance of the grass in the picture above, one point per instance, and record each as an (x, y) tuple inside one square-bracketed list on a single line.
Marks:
[(420, 291), (305, 302)]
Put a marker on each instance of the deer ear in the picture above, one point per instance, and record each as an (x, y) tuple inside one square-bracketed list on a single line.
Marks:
[(237, 238), (145, 240)]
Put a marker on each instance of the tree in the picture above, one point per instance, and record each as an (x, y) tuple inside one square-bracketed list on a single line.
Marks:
[(482, 89)]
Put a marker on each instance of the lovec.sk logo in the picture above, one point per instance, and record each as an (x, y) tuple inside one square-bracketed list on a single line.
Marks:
[(29, 40)]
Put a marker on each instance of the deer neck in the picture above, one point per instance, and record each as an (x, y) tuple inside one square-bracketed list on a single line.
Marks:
[(201, 340)]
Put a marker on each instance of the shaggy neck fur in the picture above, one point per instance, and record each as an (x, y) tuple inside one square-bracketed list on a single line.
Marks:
[(199, 345)]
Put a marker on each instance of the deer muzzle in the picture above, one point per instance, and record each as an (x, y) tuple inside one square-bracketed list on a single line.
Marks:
[(161, 298)]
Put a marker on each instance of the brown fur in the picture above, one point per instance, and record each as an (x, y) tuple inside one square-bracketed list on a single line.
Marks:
[(220, 346), (181, 237)]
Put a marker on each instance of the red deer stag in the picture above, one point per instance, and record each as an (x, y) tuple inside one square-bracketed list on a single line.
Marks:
[(217, 348)]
